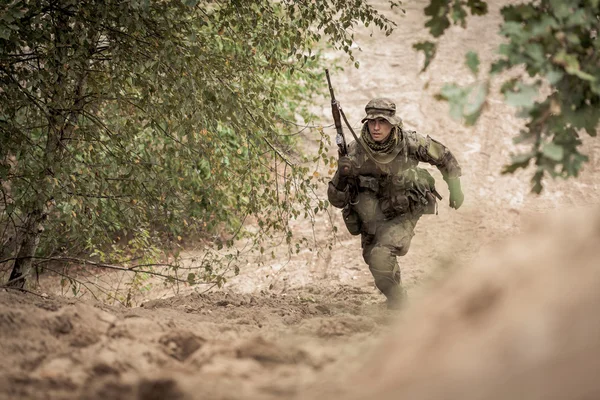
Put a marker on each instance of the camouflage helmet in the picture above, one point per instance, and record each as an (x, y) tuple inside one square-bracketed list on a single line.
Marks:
[(382, 107)]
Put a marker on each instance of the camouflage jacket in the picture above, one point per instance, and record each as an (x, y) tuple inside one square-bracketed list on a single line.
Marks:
[(394, 184)]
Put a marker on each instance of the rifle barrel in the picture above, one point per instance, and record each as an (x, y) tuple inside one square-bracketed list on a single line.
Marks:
[(330, 86), (335, 110)]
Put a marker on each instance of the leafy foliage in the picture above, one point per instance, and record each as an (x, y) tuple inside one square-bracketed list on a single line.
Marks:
[(146, 122), (441, 13), (556, 42)]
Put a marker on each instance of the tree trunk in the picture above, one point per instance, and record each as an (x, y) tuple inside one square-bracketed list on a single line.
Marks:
[(30, 238), (64, 106)]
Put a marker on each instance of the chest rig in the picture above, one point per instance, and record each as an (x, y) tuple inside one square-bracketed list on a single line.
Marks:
[(393, 179)]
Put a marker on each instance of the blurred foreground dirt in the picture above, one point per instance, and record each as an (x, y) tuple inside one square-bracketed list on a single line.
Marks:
[(521, 322)]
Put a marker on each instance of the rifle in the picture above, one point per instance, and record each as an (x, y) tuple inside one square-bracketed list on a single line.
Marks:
[(336, 110), (340, 139)]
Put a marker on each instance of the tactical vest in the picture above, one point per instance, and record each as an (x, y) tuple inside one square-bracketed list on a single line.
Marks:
[(390, 187)]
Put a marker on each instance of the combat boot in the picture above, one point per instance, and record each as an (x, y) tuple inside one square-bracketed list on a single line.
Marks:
[(396, 298)]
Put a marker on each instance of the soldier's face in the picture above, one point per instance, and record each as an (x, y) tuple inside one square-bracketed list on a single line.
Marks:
[(379, 129)]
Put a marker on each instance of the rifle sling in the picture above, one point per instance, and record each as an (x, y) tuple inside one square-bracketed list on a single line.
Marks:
[(356, 138)]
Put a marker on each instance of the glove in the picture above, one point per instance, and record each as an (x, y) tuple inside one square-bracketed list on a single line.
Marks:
[(345, 167), (456, 195), (345, 171)]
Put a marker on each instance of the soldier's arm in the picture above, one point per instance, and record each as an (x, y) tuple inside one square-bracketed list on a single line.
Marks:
[(433, 152), (338, 191)]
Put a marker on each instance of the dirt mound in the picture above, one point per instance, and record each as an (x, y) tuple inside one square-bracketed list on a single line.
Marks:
[(522, 322), (270, 344)]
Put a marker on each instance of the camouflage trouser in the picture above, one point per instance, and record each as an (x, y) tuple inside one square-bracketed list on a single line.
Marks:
[(391, 239)]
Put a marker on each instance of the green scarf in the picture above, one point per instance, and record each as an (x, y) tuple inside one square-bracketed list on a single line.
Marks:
[(386, 146)]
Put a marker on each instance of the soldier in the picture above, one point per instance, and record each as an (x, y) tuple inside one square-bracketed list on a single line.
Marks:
[(383, 193)]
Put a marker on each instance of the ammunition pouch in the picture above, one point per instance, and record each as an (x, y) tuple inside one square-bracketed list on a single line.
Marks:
[(338, 198), (368, 183), (423, 189), (431, 206), (394, 205), (410, 191), (352, 220)]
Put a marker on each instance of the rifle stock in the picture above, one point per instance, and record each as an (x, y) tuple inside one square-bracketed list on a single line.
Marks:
[(340, 139)]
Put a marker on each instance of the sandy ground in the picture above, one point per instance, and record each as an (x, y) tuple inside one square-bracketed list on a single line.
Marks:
[(313, 325)]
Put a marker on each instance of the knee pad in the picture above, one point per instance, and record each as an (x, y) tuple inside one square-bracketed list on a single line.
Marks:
[(384, 268), (381, 258)]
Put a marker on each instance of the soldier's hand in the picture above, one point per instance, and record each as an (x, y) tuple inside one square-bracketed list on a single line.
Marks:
[(345, 167), (456, 195)]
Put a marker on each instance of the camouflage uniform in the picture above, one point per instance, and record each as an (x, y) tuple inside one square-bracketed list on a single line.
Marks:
[(386, 193)]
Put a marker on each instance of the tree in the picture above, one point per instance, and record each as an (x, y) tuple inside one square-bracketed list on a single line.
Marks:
[(136, 122), (556, 42)]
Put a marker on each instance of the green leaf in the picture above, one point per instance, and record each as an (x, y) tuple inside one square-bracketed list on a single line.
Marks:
[(524, 96), (519, 13), (478, 7), (537, 186), (458, 14), (514, 30), (560, 8), (522, 137), (474, 107), (4, 170), (554, 76), (429, 49), (438, 11), (553, 151), (9, 208), (586, 117), (499, 66), (456, 97), (191, 279), (473, 62), (517, 161)]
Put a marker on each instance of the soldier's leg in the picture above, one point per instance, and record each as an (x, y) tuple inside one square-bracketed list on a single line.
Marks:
[(384, 268), (386, 273), (397, 234), (380, 251)]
